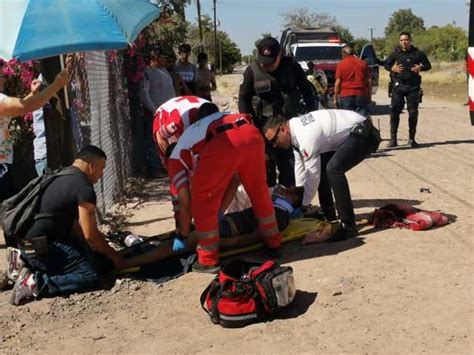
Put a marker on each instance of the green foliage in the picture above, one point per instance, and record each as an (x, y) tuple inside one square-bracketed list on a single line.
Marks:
[(344, 34), (230, 52), (359, 43), (404, 20), (447, 43)]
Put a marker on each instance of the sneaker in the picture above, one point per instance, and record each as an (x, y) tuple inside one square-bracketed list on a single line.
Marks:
[(25, 287), (206, 269), (14, 263), (344, 231), (413, 143)]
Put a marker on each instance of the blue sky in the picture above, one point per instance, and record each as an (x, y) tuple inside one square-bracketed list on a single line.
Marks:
[(246, 20)]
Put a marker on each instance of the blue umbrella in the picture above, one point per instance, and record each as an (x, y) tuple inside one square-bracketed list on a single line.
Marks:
[(33, 29)]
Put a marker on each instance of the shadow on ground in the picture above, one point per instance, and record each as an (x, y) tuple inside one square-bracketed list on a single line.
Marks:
[(300, 305)]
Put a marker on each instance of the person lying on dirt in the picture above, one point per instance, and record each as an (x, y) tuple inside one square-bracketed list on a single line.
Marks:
[(237, 229), (64, 252)]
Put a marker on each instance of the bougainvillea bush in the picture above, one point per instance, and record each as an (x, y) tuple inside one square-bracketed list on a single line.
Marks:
[(18, 78)]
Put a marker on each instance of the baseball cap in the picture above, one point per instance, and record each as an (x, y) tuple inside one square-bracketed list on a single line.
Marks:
[(267, 50)]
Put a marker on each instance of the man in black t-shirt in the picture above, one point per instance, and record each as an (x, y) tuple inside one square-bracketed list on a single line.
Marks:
[(60, 252)]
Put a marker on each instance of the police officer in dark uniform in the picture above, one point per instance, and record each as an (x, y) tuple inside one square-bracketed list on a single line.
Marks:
[(274, 84), (405, 65)]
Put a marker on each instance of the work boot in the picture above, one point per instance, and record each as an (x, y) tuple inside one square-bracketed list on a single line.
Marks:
[(393, 142), (344, 231), (394, 122), (411, 139), (413, 143)]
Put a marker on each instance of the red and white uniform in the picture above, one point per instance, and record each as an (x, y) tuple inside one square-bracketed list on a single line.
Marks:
[(206, 157), (173, 117)]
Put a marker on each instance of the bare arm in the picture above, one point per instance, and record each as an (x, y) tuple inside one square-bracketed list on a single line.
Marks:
[(94, 237), (13, 106)]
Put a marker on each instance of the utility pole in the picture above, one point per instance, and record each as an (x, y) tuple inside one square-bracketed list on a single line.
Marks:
[(198, 5), (215, 37), (371, 29)]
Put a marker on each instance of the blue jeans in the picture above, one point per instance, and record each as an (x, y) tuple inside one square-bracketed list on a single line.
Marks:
[(65, 270), (359, 104)]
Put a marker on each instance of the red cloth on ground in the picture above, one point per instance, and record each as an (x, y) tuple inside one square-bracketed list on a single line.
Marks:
[(405, 216)]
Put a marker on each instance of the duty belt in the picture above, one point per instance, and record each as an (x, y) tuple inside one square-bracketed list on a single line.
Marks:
[(225, 127)]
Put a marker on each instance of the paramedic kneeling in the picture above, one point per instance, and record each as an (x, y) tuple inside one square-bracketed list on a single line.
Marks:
[(57, 251), (345, 137)]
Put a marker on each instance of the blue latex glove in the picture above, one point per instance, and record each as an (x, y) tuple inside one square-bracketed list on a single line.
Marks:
[(179, 244), (297, 212)]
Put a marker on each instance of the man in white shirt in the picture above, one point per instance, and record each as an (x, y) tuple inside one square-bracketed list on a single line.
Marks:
[(327, 144)]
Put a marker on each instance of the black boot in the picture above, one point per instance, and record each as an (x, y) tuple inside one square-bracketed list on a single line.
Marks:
[(394, 122), (412, 123), (344, 231)]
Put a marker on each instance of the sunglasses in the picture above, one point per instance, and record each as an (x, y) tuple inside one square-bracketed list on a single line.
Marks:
[(273, 141)]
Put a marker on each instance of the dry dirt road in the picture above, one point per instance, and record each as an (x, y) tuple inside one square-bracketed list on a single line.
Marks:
[(390, 291)]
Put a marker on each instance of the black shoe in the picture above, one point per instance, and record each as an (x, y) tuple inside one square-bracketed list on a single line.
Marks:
[(344, 231), (413, 143), (206, 269), (272, 253), (392, 144)]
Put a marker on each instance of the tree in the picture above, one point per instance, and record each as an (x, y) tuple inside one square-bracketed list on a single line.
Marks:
[(230, 52), (404, 20), (303, 17)]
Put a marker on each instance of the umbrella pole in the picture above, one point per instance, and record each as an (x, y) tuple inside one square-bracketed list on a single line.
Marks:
[(66, 96)]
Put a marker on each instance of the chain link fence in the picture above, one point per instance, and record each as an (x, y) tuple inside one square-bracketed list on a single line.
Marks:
[(100, 116)]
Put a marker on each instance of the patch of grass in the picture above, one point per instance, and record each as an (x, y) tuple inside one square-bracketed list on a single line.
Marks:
[(445, 81)]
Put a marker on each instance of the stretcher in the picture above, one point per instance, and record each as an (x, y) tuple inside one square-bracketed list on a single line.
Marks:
[(296, 230)]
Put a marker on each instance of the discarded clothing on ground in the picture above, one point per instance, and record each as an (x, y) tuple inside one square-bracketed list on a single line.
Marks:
[(396, 215)]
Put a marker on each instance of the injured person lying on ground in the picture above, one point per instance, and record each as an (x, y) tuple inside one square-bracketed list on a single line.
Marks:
[(238, 228)]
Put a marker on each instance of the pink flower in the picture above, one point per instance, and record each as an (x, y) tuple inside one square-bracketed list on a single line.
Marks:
[(8, 71), (28, 117)]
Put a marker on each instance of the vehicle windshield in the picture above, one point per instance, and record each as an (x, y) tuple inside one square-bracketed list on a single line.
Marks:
[(318, 53)]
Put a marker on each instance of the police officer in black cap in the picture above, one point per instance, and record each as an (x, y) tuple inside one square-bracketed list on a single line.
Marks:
[(405, 64), (274, 84)]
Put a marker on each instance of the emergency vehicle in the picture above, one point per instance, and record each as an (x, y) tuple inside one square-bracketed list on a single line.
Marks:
[(322, 47)]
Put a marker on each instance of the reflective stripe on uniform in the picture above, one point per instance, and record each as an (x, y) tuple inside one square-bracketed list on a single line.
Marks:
[(212, 247), (178, 176), (266, 220), (183, 180), (268, 232)]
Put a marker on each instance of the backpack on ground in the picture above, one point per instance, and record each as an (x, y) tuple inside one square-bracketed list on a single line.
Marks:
[(20, 211), (245, 292)]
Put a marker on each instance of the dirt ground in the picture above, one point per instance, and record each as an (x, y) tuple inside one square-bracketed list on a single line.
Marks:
[(386, 291)]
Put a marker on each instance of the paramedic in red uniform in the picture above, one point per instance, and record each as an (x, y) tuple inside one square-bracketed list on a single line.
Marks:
[(169, 123), (203, 164)]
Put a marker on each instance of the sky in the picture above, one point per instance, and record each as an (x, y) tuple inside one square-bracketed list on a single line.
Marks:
[(245, 20)]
